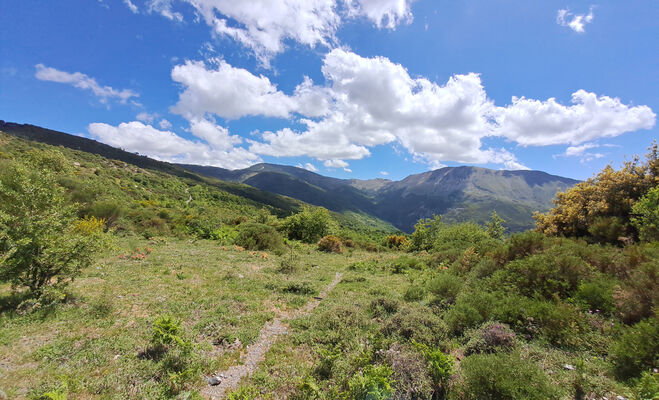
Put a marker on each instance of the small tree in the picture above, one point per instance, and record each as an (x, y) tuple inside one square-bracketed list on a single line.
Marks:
[(646, 216), (309, 225), (41, 242), (495, 227)]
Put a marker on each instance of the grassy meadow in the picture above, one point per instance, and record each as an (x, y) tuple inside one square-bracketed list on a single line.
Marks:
[(120, 282)]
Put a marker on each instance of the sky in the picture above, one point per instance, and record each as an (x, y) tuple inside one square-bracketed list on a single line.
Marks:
[(346, 88)]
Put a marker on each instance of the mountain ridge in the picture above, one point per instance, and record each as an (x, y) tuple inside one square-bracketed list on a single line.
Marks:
[(458, 193)]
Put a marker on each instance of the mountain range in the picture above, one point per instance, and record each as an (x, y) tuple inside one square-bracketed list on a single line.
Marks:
[(458, 193)]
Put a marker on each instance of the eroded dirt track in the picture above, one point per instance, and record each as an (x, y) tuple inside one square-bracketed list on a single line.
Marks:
[(256, 351)]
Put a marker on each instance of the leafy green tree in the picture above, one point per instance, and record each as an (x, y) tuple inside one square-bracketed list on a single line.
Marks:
[(41, 241), (646, 216), (309, 225), (495, 227), (425, 232)]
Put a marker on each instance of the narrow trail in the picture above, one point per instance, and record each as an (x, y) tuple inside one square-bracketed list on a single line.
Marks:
[(187, 190), (256, 351)]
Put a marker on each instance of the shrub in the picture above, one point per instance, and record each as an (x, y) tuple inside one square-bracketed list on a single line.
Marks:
[(167, 331), (416, 322), (636, 299), (425, 232), (608, 196), (382, 306), (254, 236), (108, 210), (330, 244), (411, 378), (373, 383), (440, 366), (299, 288), (414, 293), (597, 294), (636, 349), (524, 244), (445, 286), (546, 274), (396, 241), (309, 225), (501, 376), (491, 337), (647, 386), (403, 263), (460, 236), (39, 242), (203, 225), (646, 216)]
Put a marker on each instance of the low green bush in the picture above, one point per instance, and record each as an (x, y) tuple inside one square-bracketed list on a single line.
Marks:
[(491, 337), (636, 349), (445, 286), (501, 376), (255, 236), (372, 383), (416, 322)]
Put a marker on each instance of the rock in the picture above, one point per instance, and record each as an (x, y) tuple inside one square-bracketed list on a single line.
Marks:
[(620, 398), (213, 380), (569, 367)]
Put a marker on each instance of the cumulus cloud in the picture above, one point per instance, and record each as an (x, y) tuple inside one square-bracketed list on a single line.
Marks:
[(334, 163), (168, 146), (82, 81), (383, 13), (375, 102), (265, 25), (164, 8), (539, 123), (146, 117), (308, 167), (231, 93), (164, 124), (132, 7), (576, 22)]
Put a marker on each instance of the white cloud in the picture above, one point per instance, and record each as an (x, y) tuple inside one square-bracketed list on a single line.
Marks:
[(540, 123), (308, 167), (164, 124), (347, 170), (132, 7), (82, 81), (164, 8), (375, 102), (384, 173), (264, 26), (167, 146), (384, 13), (231, 93), (580, 151), (146, 117), (334, 163), (574, 151), (576, 22)]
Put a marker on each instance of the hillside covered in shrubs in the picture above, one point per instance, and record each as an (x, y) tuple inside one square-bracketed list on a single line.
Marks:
[(123, 282)]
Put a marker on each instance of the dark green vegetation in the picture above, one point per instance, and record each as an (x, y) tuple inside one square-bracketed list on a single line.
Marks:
[(460, 194), (152, 280)]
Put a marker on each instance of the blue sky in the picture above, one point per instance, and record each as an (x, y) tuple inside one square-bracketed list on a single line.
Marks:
[(349, 88)]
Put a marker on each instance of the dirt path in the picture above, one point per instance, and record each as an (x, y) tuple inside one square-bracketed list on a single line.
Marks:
[(256, 351)]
